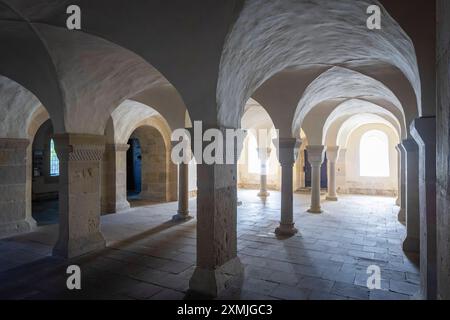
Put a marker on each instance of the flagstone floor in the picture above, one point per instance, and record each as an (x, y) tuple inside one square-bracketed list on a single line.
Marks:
[(150, 257)]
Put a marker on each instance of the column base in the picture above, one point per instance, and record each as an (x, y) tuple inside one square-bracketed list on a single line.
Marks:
[(411, 245), (286, 230), (401, 216), (184, 216), (10, 229), (122, 206), (315, 210), (263, 194), (80, 246), (331, 198), (212, 283)]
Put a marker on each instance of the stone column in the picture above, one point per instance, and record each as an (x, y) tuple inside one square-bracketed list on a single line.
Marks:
[(315, 158), (79, 194), (424, 132), (217, 260), (114, 185), (183, 193), (399, 179), (411, 243), (402, 191), (263, 155), (332, 156), (287, 152), (15, 208)]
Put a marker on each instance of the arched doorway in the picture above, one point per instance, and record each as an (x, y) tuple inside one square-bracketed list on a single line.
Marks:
[(147, 168)]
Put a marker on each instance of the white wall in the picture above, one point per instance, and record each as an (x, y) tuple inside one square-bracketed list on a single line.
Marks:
[(249, 180), (348, 166), (192, 177)]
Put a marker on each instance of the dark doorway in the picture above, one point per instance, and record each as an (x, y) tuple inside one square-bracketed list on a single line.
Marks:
[(134, 168), (323, 173)]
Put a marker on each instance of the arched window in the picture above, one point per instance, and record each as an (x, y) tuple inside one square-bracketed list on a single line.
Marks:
[(54, 161), (374, 154)]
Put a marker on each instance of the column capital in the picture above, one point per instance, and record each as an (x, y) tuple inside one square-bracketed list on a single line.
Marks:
[(79, 147), (423, 130), (315, 154), (332, 153), (410, 145), (287, 150), (118, 147)]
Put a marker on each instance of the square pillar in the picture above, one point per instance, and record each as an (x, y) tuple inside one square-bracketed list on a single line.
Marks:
[(412, 240), (114, 178), (217, 261), (79, 194), (402, 190), (15, 180), (424, 132)]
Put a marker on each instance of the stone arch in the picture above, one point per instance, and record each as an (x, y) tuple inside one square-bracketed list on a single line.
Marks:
[(154, 181), (129, 116), (254, 119), (21, 114), (180, 52), (258, 41), (333, 88), (365, 109), (356, 121)]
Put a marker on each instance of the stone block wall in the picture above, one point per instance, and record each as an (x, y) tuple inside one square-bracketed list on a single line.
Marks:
[(15, 215)]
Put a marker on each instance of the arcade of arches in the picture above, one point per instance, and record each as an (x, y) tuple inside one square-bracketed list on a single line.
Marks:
[(351, 171)]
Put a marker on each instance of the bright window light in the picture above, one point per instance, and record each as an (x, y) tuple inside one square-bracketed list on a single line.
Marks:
[(374, 154), (54, 161), (254, 164)]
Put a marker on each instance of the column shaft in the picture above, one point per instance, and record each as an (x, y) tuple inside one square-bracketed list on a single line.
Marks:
[(332, 155), (183, 193), (263, 154), (315, 157), (287, 154)]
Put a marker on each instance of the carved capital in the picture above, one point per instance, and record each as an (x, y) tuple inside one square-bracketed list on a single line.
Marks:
[(79, 147)]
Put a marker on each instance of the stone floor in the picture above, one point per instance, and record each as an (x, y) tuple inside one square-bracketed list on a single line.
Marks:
[(149, 257)]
